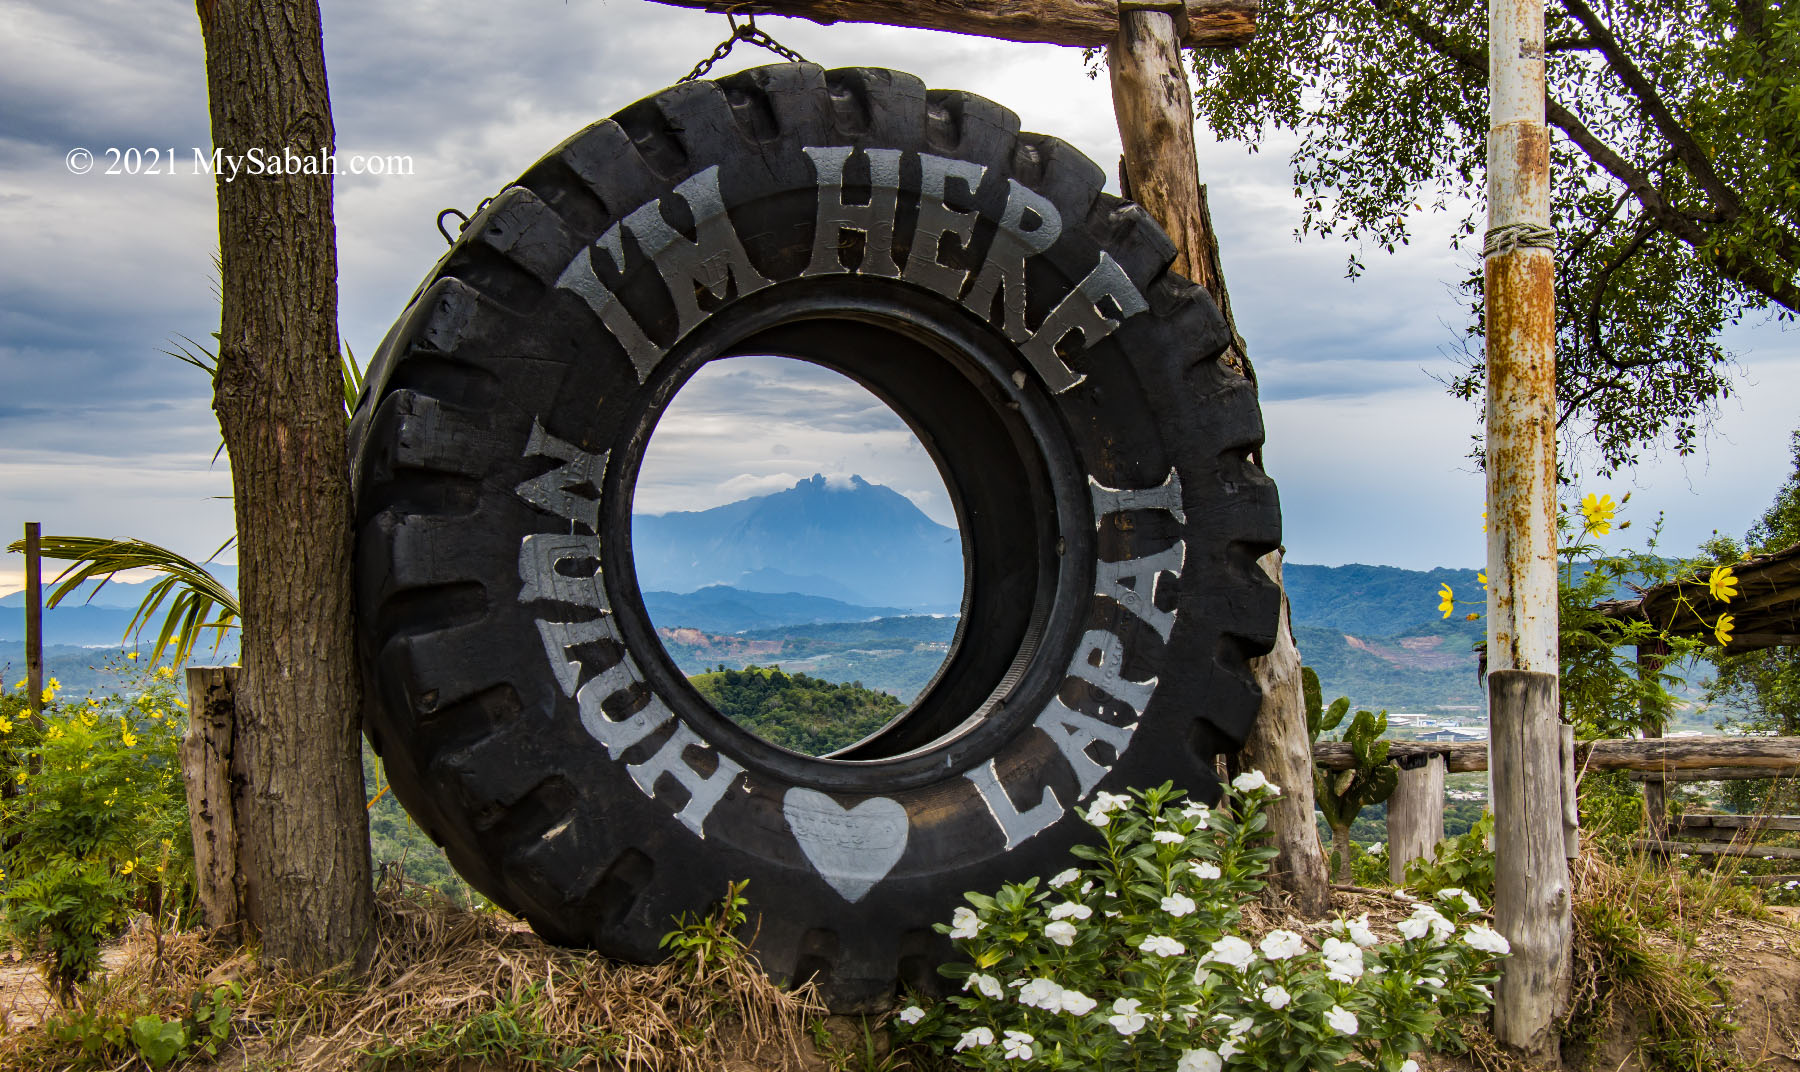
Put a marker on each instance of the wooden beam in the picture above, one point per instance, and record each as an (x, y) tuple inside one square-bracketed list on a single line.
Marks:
[(1714, 774), (1768, 757), (1080, 23), (1738, 822), (1718, 848)]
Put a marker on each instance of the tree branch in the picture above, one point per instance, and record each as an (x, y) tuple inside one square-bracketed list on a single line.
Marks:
[(1603, 279), (1690, 152)]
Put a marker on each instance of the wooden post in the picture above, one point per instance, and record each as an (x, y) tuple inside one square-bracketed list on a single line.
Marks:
[(34, 620), (1531, 898), (1415, 814), (1155, 114), (1531, 874), (208, 754), (1571, 802), (1650, 656)]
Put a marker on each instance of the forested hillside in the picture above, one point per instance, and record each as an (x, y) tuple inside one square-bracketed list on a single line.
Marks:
[(796, 711)]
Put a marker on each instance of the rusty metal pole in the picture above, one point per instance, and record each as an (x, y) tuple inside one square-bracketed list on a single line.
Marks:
[(1532, 894)]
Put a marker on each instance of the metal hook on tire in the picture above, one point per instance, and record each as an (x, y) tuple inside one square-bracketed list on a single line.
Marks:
[(458, 213)]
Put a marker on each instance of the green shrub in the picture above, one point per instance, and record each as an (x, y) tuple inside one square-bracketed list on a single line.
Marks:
[(1130, 960), (1464, 862), (96, 826)]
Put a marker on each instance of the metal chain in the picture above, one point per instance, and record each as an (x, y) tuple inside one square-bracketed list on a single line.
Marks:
[(746, 32), (1512, 236)]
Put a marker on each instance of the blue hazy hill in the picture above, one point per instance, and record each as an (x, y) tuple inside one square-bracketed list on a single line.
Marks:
[(858, 542)]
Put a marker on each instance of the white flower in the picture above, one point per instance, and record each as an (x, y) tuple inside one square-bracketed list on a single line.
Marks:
[(1095, 816), (1240, 1027), (1199, 1061), (964, 923), (1041, 994), (1375, 849), (1126, 1020), (1229, 1048), (1162, 945), (1282, 945), (912, 1014), (1077, 1003), (975, 1036), (1204, 869), (1359, 931), (1275, 997), (1088, 886), (1249, 781), (1231, 951), (1193, 809), (1409, 1065), (1341, 1020), (1062, 932), (1063, 878), (1343, 961), (1451, 893), (1105, 802), (1167, 837), (1485, 992), (1426, 919), (1018, 1046), (1178, 904), (1071, 910), (987, 984), (1487, 939)]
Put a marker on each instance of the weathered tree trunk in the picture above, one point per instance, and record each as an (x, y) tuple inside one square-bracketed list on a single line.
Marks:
[(1278, 746), (1156, 126), (279, 399)]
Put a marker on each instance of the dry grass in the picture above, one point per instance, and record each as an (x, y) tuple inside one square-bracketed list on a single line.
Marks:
[(447, 984)]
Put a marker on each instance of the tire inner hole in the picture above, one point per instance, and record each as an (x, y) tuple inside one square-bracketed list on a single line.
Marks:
[(798, 552)]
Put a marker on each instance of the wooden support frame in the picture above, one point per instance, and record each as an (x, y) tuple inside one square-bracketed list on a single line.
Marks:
[(1080, 23)]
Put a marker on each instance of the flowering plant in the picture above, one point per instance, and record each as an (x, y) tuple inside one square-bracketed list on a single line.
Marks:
[(1131, 960), (94, 826)]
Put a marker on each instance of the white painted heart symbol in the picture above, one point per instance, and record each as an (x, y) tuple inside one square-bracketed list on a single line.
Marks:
[(851, 848)]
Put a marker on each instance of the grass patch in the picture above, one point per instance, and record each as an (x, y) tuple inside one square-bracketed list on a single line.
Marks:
[(445, 984)]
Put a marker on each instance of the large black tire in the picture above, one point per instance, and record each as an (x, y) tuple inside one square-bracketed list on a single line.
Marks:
[(1102, 458)]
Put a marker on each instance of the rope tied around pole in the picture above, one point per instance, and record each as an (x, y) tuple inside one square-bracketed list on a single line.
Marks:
[(1515, 236), (746, 32)]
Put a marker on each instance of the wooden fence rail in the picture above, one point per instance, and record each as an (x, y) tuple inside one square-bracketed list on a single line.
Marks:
[(1771, 757), (1416, 810)]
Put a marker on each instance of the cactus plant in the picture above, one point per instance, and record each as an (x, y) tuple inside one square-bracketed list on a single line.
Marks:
[(1342, 795)]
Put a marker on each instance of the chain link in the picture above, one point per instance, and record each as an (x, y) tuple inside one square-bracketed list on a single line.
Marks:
[(746, 32)]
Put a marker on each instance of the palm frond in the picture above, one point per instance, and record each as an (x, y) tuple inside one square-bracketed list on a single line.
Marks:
[(197, 601), (353, 380)]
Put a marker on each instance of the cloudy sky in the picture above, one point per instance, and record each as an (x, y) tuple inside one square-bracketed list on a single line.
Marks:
[(102, 434)]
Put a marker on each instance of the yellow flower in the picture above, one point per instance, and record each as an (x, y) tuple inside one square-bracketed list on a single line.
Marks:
[(125, 734), (131, 656), (21, 778), (128, 867), (54, 733), (22, 683), (1471, 616), (1723, 629), (1484, 521), (1723, 584), (1597, 513), (167, 673), (1446, 601), (5, 725)]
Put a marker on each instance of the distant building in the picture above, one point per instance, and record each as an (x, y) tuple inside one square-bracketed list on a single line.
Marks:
[(1450, 734)]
